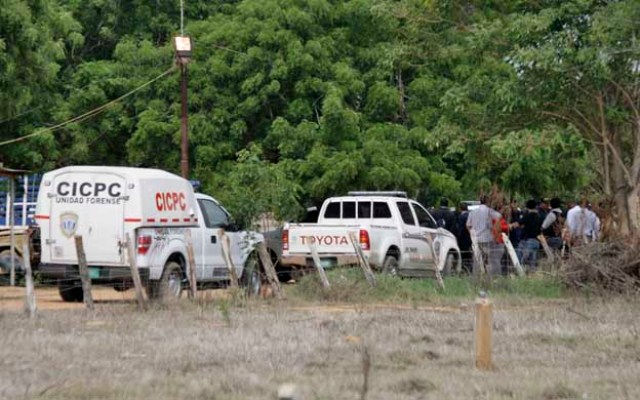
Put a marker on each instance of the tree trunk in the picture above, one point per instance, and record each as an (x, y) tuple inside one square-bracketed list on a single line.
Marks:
[(626, 196), (606, 160), (633, 203)]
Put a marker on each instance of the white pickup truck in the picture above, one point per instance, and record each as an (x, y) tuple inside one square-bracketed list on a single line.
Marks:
[(155, 209), (397, 235)]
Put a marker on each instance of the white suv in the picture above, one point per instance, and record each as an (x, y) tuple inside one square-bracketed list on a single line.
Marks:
[(396, 234)]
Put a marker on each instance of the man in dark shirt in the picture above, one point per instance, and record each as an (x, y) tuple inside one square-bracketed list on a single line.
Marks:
[(444, 216), (531, 225), (464, 239), (543, 208), (515, 233), (552, 225)]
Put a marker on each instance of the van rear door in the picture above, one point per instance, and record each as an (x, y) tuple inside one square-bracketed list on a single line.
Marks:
[(91, 205)]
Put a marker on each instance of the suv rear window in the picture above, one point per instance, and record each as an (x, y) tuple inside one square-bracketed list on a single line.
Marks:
[(405, 213), (349, 209), (332, 211), (381, 210), (364, 209)]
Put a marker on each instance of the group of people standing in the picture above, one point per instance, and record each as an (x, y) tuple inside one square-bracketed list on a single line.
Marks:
[(491, 224)]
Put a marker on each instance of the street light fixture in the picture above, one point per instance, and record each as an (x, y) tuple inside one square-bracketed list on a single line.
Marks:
[(182, 46)]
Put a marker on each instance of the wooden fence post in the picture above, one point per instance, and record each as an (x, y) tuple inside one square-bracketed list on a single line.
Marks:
[(30, 301), (12, 238), (318, 264), (484, 326), (512, 254), (135, 274), (270, 270), (362, 261), (84, 273), (545, 246), (225, 243), (436, 260), (193, 284)]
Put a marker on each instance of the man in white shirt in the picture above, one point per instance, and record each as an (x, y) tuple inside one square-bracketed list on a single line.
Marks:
[(577, 223), (592, 228), (480, 222)]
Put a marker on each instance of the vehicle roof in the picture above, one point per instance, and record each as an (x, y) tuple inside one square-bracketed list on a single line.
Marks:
[(200, 195), (132, 172), (367, 198)]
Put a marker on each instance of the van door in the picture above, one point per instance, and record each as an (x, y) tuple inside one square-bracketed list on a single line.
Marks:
[(214, 216), (90, 205)]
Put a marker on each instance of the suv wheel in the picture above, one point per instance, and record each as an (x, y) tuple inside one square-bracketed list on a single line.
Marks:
[(390, 265)]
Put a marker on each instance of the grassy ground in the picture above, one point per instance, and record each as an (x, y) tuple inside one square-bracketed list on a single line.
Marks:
[(416, 343), (349, 285)]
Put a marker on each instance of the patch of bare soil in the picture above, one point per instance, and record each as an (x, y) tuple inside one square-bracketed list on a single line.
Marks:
[(216, 348), (48, 298)]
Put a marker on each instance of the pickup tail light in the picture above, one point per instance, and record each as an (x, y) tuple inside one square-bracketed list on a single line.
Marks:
[(364, 240), (285, 239), (144, 243)]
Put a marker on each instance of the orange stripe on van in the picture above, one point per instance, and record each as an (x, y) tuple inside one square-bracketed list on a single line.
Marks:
[(41, 217), (133, 220)]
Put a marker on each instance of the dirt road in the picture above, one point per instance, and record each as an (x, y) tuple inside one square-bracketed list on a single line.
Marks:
[(47, 298)]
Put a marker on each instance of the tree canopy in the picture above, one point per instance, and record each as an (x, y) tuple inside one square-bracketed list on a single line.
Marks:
[(293, 101)]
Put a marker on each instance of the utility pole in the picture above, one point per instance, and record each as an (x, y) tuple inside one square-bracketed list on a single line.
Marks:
[(182, 45)]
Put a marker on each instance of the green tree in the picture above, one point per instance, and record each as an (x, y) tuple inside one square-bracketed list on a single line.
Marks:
[(255, 187), (577, 64), (35, 37)]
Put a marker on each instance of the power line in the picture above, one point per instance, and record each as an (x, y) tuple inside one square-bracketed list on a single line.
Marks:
[(91, 113)]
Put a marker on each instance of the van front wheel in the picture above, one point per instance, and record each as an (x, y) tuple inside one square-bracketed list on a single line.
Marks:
[(71, 291), (251, 279)]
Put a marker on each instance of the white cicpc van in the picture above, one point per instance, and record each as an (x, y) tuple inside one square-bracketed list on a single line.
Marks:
[(155, 209)]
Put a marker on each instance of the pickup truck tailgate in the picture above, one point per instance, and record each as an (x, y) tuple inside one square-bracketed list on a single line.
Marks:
[(328, 239)]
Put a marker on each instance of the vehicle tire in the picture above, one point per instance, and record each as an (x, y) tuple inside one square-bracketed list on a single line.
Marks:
[(390, 265), (71, 291), (285, 274), (169, 287), (5, 262), (251, 279), (450, 264), (121, 287)]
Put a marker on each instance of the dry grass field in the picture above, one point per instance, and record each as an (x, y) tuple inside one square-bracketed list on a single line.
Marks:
[(572, 347)]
